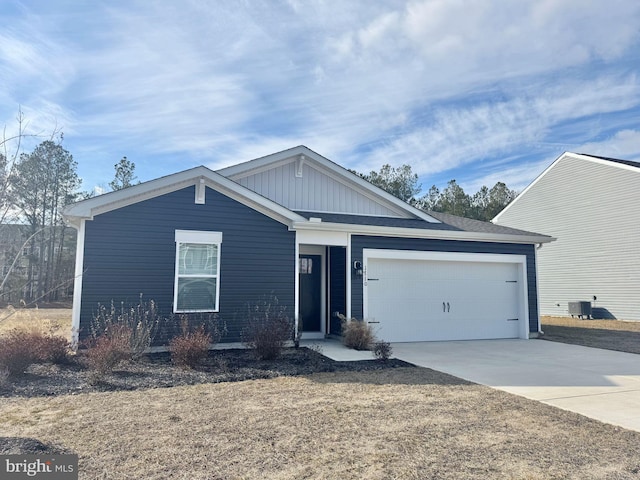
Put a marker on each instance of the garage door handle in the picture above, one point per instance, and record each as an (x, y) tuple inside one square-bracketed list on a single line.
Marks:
[(444, 307), (448, 307)]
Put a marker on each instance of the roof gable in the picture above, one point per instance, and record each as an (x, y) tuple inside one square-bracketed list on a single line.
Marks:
[(605, 161), (200, 177), (301, 179)]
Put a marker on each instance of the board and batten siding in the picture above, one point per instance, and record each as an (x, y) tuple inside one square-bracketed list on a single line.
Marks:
[(314, 191), (132, 250), (358, 243), (591, 208)]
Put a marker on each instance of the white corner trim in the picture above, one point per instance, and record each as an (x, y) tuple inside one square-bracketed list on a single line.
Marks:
[(77, 284)]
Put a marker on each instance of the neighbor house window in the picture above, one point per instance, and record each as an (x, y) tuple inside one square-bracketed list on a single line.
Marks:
[(197, 279)]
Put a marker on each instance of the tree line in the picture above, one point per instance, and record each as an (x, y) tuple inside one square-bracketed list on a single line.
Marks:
[(37, 248), (401, 182)]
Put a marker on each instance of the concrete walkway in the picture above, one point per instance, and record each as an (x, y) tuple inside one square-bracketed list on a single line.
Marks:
[(335, 350), (600, 384)]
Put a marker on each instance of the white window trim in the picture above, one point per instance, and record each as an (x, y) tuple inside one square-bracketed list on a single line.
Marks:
[(206, 238)]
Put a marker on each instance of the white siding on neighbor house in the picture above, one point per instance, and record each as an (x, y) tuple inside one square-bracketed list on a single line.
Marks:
[(591, 207), (314, 191)]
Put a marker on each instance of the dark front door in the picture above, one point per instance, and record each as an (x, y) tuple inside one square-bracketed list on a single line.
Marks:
[(310, 292)]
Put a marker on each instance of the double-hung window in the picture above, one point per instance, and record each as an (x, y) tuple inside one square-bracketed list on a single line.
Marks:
[(197, 277)]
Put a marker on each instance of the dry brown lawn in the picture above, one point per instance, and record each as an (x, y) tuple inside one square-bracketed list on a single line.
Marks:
[(409, 423), (52, 320), (608, 334), (599, 324)]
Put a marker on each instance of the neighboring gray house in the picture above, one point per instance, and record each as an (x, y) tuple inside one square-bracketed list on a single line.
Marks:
[(321, 239), (590, 204)]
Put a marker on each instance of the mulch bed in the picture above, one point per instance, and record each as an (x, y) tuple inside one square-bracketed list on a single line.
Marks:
[(157, 371)]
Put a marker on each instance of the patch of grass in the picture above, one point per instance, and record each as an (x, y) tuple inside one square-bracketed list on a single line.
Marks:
[(55, 321), (408, 423)]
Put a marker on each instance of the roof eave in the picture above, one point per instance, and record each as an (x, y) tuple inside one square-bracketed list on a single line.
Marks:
[(422, 233)]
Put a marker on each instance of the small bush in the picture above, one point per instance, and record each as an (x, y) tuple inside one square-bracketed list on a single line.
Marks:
[(18, 350), (357, 334), (141, 320), (382, 351), (268, 328), (189, 349), (108, 351), (53, 348)]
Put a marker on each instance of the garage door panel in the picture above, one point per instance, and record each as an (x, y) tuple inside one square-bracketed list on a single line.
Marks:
[(415, 300)]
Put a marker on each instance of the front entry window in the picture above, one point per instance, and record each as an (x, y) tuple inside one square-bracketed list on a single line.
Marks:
[(306, 266)]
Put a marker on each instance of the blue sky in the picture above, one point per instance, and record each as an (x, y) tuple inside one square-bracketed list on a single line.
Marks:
[(477, 91)]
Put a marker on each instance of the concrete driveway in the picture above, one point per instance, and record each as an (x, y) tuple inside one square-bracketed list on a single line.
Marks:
[(600, 384)]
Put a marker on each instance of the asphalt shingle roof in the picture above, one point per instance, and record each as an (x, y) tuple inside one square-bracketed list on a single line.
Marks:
[(449, 223), (470, 225), (616, 160)]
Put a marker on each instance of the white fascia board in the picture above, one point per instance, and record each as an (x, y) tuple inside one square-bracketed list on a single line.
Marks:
[(258, 165), (340, 174), (87, 209), (374, 230)]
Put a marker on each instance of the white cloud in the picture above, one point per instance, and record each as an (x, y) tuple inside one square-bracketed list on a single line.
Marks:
[(624, 145), (463, 135), (440, 83)]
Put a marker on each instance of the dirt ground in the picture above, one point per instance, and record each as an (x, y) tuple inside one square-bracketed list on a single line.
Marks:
[(407, 423), (608, 334)]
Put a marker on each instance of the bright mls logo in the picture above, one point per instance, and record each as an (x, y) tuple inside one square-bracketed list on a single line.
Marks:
[(50, 467)]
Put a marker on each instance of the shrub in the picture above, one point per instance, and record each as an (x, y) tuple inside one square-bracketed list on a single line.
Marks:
[(382, 350), (268, 328), (190, 348), (53, 348), (108, 350), (141, 320), (356, 334), (18, 350)]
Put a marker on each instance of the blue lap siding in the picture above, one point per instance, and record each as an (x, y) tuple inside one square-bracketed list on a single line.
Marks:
[(132, 250), (358, 243)]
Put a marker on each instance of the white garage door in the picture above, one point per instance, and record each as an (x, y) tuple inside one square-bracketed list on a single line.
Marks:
[(408, 300)]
